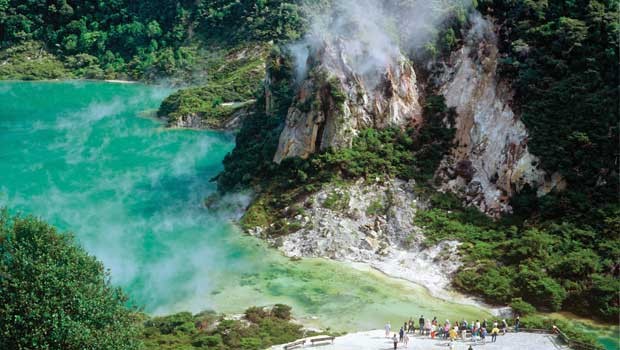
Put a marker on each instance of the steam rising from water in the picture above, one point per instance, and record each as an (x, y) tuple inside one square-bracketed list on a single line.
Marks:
[(128, 192), (77, 155)]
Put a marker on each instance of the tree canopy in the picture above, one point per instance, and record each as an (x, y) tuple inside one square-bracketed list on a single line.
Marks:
[(53, 295)]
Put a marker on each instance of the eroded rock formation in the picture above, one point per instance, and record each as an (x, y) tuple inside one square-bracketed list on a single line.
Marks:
[(334, 102), (490, 161)]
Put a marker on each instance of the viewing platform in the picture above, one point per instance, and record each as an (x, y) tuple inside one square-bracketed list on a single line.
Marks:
[(376, 340)]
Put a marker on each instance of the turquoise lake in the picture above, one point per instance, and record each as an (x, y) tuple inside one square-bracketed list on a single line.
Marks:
[(85, 157)]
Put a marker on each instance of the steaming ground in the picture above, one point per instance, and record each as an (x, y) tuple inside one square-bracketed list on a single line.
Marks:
[(78, 155)]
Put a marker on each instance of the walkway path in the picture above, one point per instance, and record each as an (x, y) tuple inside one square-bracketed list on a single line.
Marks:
[(375, 340)]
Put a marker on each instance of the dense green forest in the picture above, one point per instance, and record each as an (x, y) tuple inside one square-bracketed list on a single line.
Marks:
[(133, 39), (558, 252)]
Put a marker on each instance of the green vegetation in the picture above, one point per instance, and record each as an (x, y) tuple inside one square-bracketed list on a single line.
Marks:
[(375, 208), (29, 61), (550, 264), (139, 39), (259, 329), (563, 59), (232, 79), (53, 295), (337, 200)]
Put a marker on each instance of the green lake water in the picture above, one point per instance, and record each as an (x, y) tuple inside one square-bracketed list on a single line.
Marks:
[(82, 156)]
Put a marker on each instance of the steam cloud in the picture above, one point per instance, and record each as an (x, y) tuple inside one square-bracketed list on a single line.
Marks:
[(374, 32)]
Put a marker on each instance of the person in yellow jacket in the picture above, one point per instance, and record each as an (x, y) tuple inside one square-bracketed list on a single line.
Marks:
[(494, 333), (453, 334)]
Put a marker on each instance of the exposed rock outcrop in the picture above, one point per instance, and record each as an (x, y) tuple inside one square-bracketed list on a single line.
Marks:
[(336, 101), (490, 161), (230, 118), (371, 224)]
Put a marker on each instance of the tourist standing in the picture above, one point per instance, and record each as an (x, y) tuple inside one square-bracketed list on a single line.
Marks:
[(517, 324), (433, 330), (421, 323), (395, 340), (504, 326), (483, 335), (494, 333), (406, 340), (388, 328), (401, 334), (453, 335)]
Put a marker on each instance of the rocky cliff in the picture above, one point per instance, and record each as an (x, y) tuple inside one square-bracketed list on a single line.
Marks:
[(335, 101), (490, 161)]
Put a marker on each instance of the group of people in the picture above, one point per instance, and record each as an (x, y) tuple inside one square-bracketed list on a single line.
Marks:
[(434, 329)]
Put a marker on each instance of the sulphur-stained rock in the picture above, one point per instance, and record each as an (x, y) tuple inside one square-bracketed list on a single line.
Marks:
[(490, 161), (334, 102)]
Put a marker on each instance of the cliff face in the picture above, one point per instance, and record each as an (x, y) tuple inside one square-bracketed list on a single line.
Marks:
[(490, 161), (335, 101)]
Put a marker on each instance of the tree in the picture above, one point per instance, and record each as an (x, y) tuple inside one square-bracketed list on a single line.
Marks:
[(53, 295)]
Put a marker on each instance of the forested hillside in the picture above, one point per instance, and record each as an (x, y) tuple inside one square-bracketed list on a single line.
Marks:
[(134, 39), (557, 252)]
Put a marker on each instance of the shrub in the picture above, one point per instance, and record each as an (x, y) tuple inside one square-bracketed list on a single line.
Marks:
[(281, 311), (521, 307)]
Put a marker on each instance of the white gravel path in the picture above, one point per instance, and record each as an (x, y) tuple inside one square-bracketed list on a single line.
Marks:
[(375, 340)]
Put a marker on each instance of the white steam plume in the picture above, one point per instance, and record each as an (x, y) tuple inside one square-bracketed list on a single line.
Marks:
[(374, 32)]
